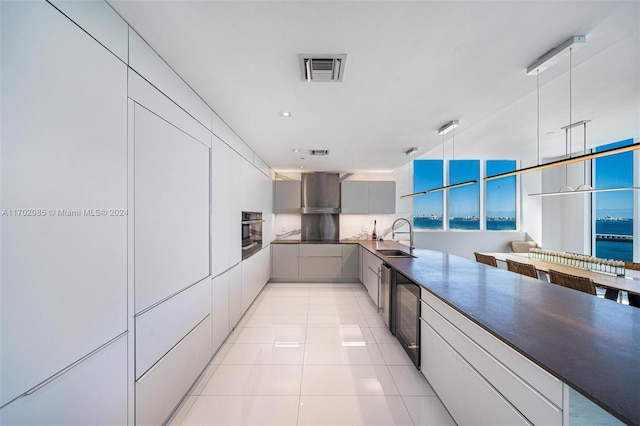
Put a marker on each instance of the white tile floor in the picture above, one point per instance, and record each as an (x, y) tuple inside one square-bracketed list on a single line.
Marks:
[(311, 354)]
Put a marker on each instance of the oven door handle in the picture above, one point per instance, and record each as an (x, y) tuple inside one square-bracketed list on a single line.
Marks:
[(248, 222)]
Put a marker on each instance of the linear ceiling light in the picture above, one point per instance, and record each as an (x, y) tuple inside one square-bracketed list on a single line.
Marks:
[(566, 161), (456, 185), (448, 127), (415, 194), (552, 56), (411, 151)]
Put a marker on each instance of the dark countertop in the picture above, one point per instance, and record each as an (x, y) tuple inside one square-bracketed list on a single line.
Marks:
[(592, 344)]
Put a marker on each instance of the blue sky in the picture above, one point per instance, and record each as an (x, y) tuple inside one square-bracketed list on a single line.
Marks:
[(614, 171)]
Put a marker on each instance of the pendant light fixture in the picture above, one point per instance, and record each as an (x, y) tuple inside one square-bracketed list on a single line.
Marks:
[(450, 126), (539, 65)]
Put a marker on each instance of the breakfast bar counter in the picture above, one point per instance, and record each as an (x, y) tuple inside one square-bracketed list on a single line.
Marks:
[(589, 343)]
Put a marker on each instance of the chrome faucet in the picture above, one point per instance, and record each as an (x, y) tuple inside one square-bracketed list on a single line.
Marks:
[(393, 231)]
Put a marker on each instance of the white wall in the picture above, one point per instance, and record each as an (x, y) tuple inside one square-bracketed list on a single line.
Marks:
[(464, 243), (566, 219)]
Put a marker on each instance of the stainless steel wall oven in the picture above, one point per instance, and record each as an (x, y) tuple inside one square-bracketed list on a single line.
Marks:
[(251, 233)]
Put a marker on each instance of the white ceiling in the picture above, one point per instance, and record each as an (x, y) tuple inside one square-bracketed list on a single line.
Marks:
[(411, 67)]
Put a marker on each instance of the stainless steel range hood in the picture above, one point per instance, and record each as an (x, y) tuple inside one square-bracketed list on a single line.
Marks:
[(320, 193)]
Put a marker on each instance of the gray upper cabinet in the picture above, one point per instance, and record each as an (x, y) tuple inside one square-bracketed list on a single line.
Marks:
[(286, 196), (367, 197), (382, 197)]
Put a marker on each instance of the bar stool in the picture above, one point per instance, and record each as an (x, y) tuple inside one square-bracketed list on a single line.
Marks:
[(486, 259), (522, 268), (574, 282)]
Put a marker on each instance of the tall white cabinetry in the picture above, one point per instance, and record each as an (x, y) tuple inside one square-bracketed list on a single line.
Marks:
[(121, 267), (64, 268)]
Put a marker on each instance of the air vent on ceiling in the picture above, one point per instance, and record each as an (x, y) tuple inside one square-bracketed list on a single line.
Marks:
[(322, 67), (320, 152)]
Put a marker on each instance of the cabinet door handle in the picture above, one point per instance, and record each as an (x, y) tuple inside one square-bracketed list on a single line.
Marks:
[(379, 286)]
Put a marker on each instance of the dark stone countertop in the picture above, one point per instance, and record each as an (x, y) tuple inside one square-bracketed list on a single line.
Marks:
[(591, 344)]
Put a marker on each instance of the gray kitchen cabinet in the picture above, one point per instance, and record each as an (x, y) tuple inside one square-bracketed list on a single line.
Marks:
[(382, 197), (320, 261), (284, 261), (355, 197), (368, 197), (350, 261), (286, 197)]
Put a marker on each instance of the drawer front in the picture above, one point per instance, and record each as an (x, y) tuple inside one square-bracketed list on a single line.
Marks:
[(543, 382), (324, 250), (529, 402), (320, 267), (161, 388), (470, 399), (160, 328)]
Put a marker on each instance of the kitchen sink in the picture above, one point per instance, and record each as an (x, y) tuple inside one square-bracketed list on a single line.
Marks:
[(394, 253)]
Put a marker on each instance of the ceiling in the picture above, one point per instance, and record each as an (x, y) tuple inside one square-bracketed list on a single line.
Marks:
[(411, 67)]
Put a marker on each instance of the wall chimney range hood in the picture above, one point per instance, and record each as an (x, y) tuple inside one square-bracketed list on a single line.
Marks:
[(320, 193)]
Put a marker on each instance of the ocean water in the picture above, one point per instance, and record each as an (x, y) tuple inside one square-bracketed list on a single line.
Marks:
[(492, 225), (618, 250)]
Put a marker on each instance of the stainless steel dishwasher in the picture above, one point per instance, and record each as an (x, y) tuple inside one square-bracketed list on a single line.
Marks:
[(384, 298)]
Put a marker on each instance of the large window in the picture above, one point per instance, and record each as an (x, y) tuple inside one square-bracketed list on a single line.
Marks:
[(464, 202), (614, 210), (500, 196), (427, 209)]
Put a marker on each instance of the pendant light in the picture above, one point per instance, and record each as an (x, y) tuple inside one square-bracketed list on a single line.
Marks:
[(540, 64), (450, 126)]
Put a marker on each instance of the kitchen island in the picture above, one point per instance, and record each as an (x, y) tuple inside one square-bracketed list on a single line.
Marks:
[(589, 344)]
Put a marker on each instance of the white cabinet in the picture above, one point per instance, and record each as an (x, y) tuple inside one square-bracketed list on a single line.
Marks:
[(284, 261), (255, 274), (219, 310), (251, 191), (268, 233), (235, 295), (467, 396), (286, 197), (93, 392), (479, 378), (160, 328), (368, 197), (63, 150), (371, 275), (171, 209), (226, 240), (162, 387)]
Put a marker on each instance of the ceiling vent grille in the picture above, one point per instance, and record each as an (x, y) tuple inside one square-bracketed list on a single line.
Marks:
[(322, 67), (320, 152)]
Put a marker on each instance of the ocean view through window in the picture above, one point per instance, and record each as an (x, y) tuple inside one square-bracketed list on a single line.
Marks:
[(614, 210), (500, 196), (427, 209), (464, 202)]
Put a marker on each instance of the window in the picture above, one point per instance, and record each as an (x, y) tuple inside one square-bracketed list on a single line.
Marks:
[(464, 202), (427, 209), (614, 210), (500, 196)]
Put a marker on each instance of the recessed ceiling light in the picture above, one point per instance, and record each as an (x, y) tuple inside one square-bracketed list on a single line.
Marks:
[(285, 114), (295, 150), (302, 167)]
